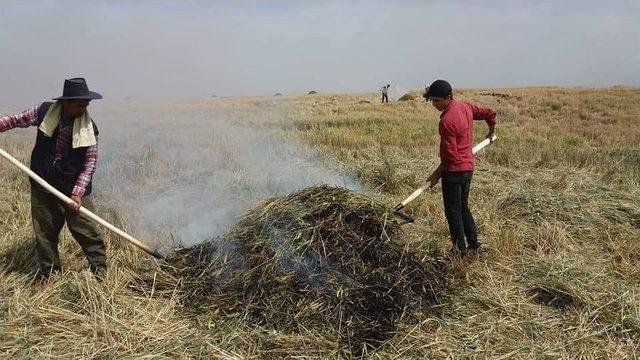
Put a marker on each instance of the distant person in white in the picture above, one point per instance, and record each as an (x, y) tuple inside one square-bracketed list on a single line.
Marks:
[(385, 90)]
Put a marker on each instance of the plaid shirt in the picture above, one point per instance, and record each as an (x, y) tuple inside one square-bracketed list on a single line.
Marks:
[(29, 118)]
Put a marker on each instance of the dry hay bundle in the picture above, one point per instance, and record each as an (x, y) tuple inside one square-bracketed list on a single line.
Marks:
[(323, 256), (407, 97)]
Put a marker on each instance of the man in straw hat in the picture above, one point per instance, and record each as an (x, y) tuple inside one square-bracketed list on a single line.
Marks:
[(457, 162), (64, 155)]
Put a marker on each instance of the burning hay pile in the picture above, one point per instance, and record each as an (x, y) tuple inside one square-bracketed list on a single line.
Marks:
[(323, 256)]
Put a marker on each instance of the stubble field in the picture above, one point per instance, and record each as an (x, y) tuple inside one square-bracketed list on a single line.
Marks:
[(556, 198)]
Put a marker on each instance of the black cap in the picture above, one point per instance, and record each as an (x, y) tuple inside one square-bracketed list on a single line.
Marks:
[(77, 88), (440, 89)]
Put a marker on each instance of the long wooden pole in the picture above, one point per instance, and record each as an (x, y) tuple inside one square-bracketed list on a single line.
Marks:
[(83, 211), (481, 145)]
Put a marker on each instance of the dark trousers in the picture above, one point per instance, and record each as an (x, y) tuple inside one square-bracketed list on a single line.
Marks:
[(49, 215), (455, 195), (385, 98)]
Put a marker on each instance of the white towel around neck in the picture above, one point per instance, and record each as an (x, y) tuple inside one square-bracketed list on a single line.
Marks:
[(83, 135)]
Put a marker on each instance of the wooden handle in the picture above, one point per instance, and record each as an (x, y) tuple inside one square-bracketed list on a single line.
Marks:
[(481, 145), (88, 214), (414, 195)]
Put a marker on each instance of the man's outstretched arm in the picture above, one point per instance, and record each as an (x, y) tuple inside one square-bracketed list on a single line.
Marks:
[(24, 119)]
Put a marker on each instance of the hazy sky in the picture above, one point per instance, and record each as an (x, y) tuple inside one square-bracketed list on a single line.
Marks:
[(198, 48)]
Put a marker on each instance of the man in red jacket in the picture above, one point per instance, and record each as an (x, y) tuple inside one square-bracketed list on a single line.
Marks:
[(457, 162)]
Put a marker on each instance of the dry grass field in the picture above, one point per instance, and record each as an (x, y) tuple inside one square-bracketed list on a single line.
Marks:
[(556, 199)]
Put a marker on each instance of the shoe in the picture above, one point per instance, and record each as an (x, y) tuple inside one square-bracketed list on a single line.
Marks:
[(455, 252), (99, 272), (45, 273), (479, 250)]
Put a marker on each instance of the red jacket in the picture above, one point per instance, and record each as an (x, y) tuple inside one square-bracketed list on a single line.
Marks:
[(456, 134)]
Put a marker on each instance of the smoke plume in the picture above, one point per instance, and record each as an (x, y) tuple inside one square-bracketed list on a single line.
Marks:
[(183, 171)]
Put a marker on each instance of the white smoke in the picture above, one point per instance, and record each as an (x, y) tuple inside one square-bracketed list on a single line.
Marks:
[(185, 170)]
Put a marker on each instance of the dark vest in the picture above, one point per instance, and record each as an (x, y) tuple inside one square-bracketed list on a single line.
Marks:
[(63, 174)]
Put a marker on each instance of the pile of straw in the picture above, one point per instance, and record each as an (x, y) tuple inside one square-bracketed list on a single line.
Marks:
[(324, 256), (407, 97)]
